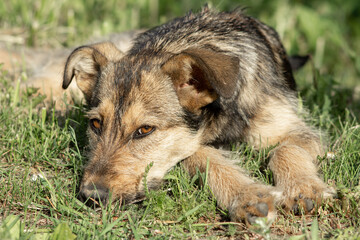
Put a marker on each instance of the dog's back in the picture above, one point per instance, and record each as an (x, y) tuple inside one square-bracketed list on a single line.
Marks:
[(232, 32)]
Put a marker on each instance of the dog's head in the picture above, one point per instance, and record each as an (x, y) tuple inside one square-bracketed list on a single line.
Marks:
[(144, 111)]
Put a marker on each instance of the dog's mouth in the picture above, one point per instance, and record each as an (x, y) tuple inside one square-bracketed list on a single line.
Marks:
[(139, 198), (96, 202)]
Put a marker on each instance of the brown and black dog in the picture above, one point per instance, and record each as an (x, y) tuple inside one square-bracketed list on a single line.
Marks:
[(194, 83)]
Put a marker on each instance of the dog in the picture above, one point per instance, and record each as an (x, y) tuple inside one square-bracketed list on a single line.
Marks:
[(197, 82)]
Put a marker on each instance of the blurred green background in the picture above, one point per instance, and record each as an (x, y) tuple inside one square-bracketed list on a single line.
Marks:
[(328, 30)]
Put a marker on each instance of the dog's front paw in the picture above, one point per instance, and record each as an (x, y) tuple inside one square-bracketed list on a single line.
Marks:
[(256, 201), (304, 195)]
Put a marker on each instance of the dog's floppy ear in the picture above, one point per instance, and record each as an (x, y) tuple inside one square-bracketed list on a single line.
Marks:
[(200, 76), (85, 64)]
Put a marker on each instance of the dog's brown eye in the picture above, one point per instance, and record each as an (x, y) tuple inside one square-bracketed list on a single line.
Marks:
[(95, 124), (144, 131)]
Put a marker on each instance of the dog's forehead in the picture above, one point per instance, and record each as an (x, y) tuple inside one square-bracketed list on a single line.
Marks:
[(128, 73), (115, 82), (131, 83)]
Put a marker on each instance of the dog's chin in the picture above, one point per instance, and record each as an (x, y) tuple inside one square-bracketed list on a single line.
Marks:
[(139, 196), (131, 198)]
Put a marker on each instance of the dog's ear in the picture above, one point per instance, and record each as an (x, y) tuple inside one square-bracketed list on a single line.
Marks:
[(297, 62), (200, 76), (85, 64)]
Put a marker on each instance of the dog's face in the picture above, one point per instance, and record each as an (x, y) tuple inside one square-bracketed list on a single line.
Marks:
[(144, 117), (127, 135)]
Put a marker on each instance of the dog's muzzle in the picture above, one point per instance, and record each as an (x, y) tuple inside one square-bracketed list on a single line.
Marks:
[(94, 195)]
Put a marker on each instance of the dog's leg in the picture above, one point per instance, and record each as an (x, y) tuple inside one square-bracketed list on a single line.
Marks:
[(293, 161), (233, 189)]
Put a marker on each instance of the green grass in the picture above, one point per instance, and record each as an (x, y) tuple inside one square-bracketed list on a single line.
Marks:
[(36, 141)]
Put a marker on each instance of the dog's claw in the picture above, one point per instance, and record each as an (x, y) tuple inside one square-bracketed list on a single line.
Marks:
[(303, 203), (295, 209), (304, 199)]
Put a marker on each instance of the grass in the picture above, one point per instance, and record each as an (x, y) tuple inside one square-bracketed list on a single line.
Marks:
[(42, 153)]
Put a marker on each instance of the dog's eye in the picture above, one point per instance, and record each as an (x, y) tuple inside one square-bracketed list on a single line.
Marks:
[(143, 131), (95, 124)]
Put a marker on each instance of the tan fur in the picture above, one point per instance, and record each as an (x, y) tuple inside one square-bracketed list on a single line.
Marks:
[(275, 119), (292, 161), (232, 188)]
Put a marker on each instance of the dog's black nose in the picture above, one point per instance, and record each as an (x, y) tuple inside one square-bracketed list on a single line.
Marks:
[(94, 194)]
